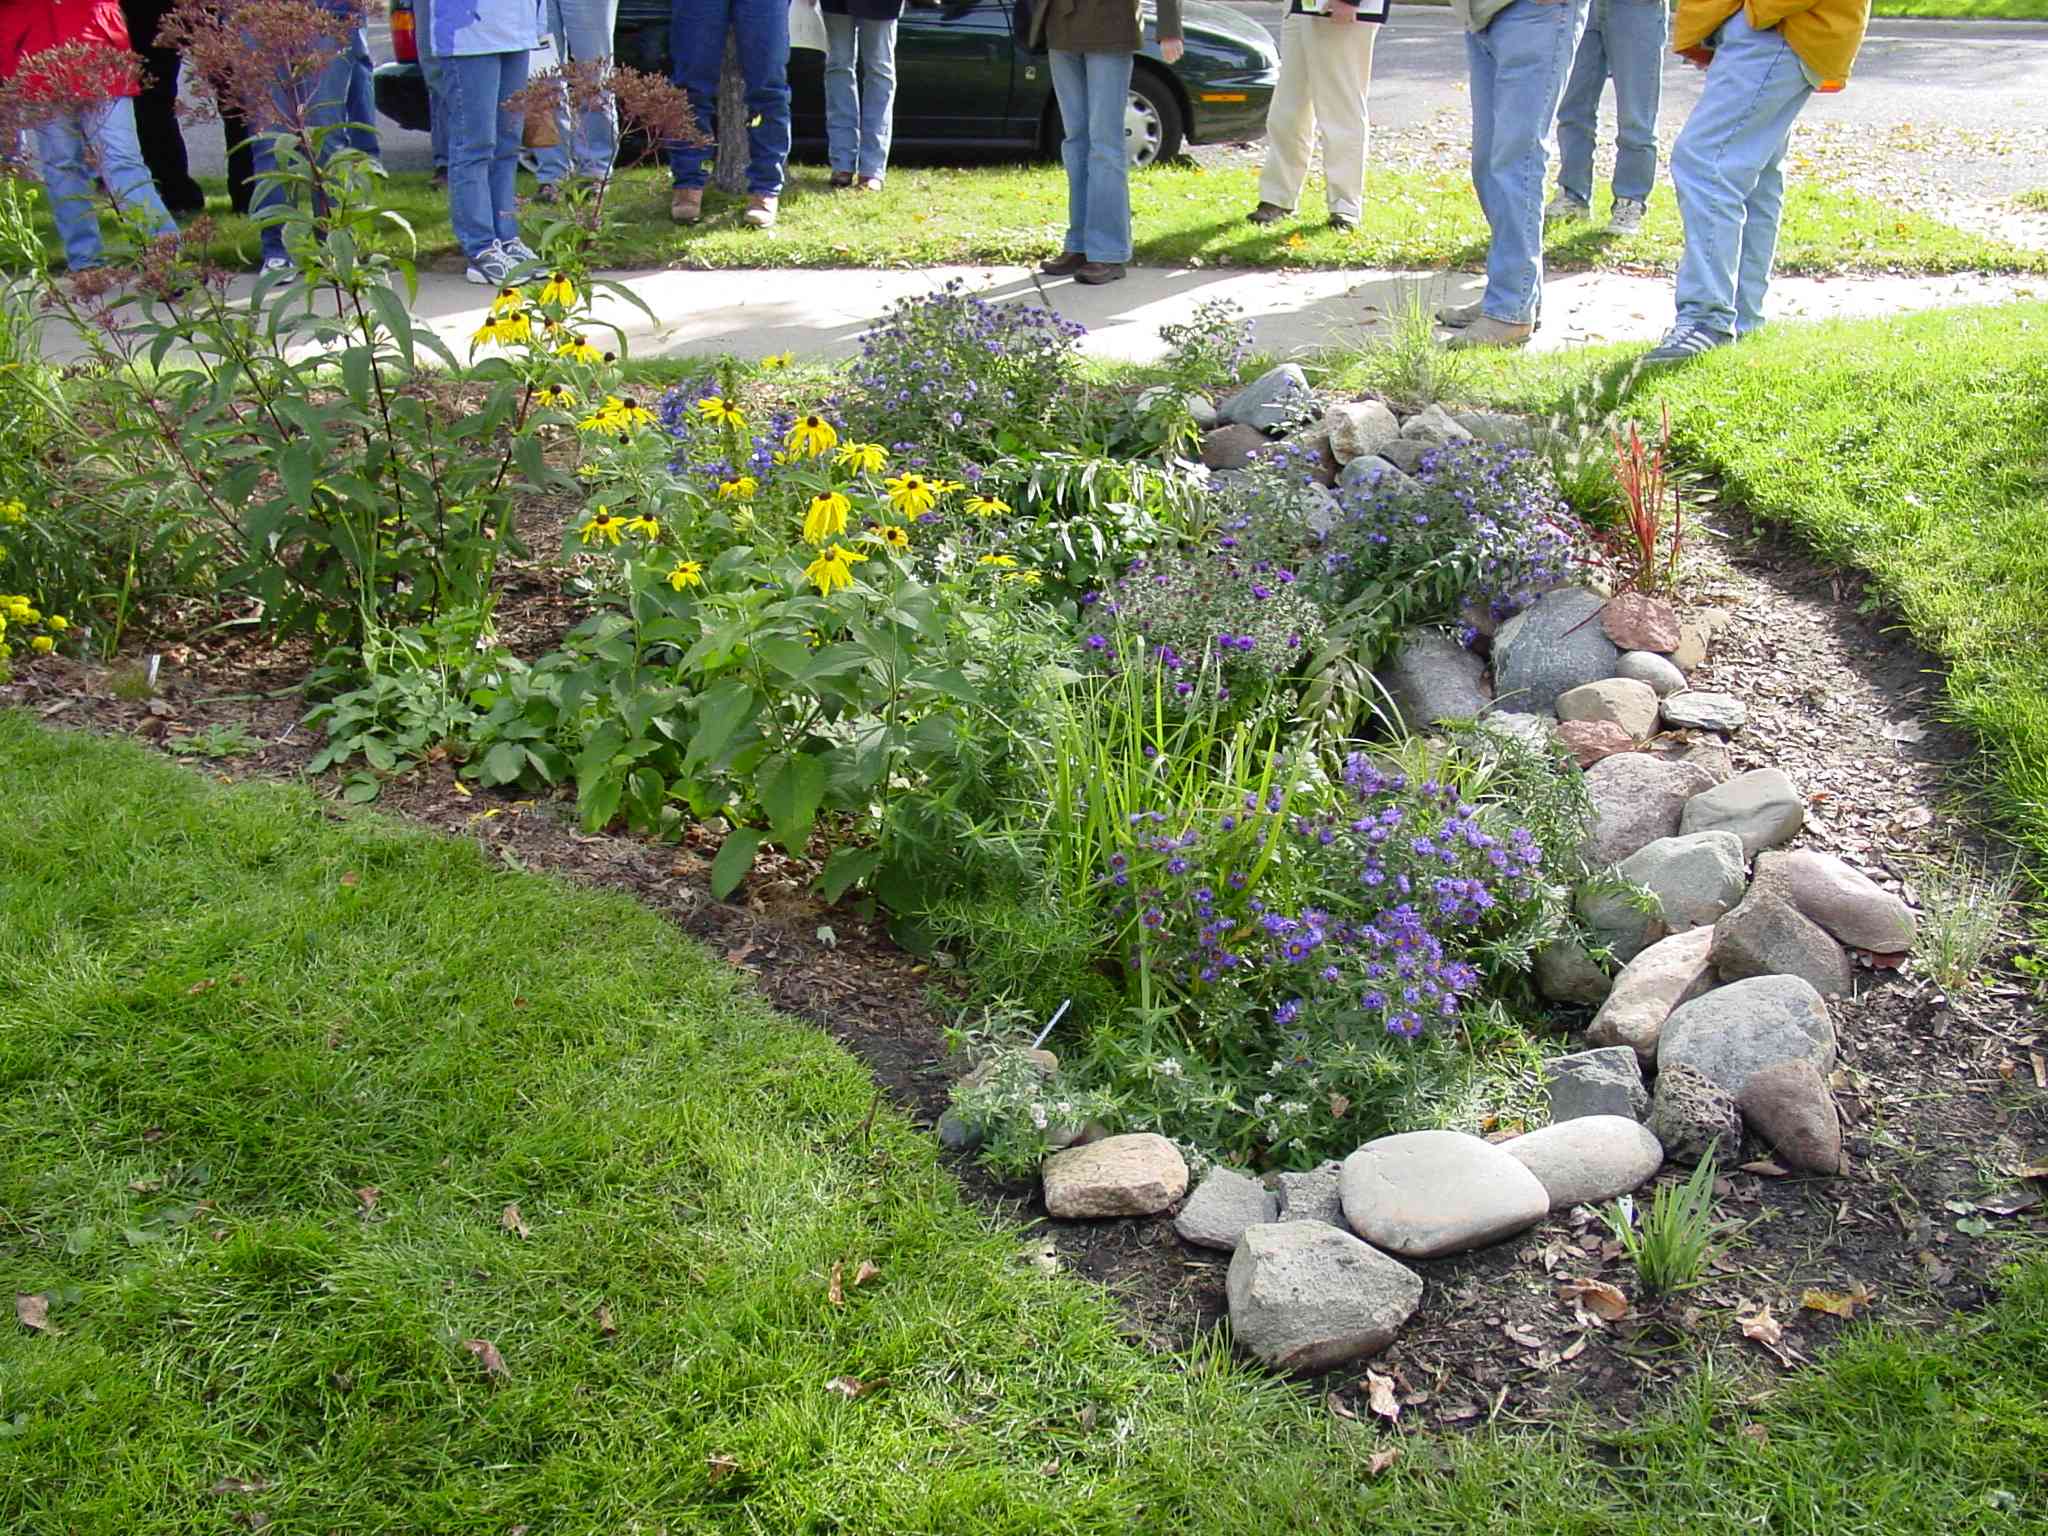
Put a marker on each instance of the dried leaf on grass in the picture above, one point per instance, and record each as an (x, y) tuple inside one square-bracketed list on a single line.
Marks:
[(1766, 1330), (488, 1357), (852, 1388), (1380, 1398), (865, 1272), (367, 1197), (238, 1485), (512, 1221), (1597, 1297), (1339, 1407), (1381, 1460), (1842, 1304), (605, 1325), (718, 1468), (835, 1287), (34, 1312)]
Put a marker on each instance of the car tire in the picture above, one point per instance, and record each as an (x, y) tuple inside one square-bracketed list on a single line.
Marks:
[(1154, 112)]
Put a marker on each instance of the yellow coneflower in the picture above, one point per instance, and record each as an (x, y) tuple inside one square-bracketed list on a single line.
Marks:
[(558, 290), (604, 527), (869, 458), (721, 412), (911, 495), (811, 436), (833, 569), (687, 573), (986, 506), (739, 488), (826, 518)]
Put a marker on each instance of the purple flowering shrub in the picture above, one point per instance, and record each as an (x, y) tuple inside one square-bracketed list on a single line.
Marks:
[(960, 374), (1311, 940)]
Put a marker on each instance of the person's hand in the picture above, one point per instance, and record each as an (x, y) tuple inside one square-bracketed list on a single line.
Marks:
[(1342, 10), (1698, 58), (1171, 48)]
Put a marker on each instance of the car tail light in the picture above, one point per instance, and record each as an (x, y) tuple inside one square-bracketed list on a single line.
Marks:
[(405, 42)]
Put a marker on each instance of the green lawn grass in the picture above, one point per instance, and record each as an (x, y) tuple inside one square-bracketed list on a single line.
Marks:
[(1964, 10), (226, 1018), (2037, 199), (1183, 214)]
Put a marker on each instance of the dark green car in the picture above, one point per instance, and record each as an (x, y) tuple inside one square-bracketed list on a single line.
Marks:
[(965, 81)]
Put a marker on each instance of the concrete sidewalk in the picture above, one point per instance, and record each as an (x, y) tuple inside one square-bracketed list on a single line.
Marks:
[(823, 314)]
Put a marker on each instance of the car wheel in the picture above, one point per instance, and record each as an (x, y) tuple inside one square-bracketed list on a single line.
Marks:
[(1153, 130)]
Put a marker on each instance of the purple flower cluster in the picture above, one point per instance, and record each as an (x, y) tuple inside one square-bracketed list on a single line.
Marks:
[(702, 452), (953, 371)]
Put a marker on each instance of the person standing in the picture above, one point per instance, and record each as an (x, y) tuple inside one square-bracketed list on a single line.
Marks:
[(582, 29), (362, 96), (1520, 52), (1092, 44), (156, 108), (1325, 77), (1764, 60), (79, 144), (1624, 42), (860, 89), (483, 46), (318, 104), (697, 31)]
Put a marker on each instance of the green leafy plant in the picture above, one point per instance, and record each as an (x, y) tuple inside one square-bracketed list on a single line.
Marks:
[(1670, 1241), (1208, 350), (1022, 1109), (217, 741)]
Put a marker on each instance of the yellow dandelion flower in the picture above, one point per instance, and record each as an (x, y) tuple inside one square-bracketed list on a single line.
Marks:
[(1001, 560), (911, 495), (641, 523), (13, 511), (42, 645), (558, 290), (986, 506), (604, 527), (740, 488), (778, 360), (896, 538), (687, 573), (510, 301), (826, 518), (868, 458), (811, 436), (721, 412), (576, 349)]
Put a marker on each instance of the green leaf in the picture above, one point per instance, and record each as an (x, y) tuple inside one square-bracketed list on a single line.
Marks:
[(791, 790), (599, 800), (295, 466), (503, 763), (360, 789), (719, 713), (735, 858), (846, 868)]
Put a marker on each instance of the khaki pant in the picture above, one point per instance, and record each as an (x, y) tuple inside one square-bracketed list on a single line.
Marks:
[(1325, 74)]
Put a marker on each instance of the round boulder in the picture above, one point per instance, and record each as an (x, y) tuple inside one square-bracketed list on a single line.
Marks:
[(1425, 1193), (1307, 1297), (1763, 807), (1845, 901), (1650, 668), (1594, 1157), (1551, 646), (1734, 1032), (1135, 1175), (1616, 700), (1637, 799), (1789, 1106)]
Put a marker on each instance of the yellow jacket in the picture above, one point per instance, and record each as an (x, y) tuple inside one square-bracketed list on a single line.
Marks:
[(1825, 33)]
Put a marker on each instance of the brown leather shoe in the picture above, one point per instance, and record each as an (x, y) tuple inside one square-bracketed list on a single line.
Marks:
[(1096, 273), (1267, 213), (841, 180), (686, 205), (1486, 331), (761, 211), (1066, 264)]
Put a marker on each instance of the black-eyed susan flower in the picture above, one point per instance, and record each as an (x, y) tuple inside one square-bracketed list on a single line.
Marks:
[(739, 488), (862, 458), (778, 360), (554, 396), (510, 301), (896, 538), (1005, 561), (603, 527), (577, 350), (986, 506), (504, 330), (686, 573), (558, 290), (721, 412), (947, 487), (826, 518), (643, 525), (811, 436), (911, 495), (833, 569)]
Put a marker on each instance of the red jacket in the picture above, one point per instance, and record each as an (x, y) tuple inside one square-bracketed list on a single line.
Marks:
[(30, 26)]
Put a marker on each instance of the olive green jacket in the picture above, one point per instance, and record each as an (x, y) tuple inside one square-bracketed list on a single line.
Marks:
[(1098, 26)]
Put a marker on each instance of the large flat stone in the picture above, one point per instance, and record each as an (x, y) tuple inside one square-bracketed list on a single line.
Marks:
[(1307, 1297), (1135, 1175), (1222, 1206), (1594, 1157), (1617, 700), (1637, 799), (1314, 1195), (1846, 902), (1431, 677), (1650, 988), (1270, 402), (1768, 936), (1763, 807), (1359, 428), (1695, 878), (1604, 1081), (1424, 1193), (1553, 645), (1734, 1032)]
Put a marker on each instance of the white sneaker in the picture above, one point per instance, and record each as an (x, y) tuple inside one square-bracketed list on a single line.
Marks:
[(519, 253), (273, 264), (1566, 209), (1627, 217), (490, 267)]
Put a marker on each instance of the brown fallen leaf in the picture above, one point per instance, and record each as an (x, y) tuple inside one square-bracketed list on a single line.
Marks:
[(2011, 1202), (488, 1357), (1339, 1106), (1339, 1407), (1381, 1460), (605, 1325), (849, 1387), (1597, 1297), (201, 988), (835, 1287), (866, 1272), (1756, 1432), (1767, 1168), (34, 1312), (511, 1220), (1576, 1348), (1770, 1333), (1379, 1397), (1842, 1304), (718, 1468), (238, 1485), (351, 880), (1525, 1337), (368, 1196)]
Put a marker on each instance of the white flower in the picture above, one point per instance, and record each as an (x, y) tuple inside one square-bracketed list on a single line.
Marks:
[(1038, 1116), (1170, 1067)]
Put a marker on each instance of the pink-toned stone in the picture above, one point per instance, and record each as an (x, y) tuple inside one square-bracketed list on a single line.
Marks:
[(1589, 741), (1636, 621)]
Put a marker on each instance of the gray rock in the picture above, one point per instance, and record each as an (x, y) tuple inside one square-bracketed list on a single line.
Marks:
[(1316, 1195), (1434, 424), (1222, 1206), (1202, 411), (1135, 1175), (1693, 1118), (1695, 710), (1650, 987), (1309, 1298), (1695, 878), (1607, 1081), (1372, 473), (1622, 928), (1692, 648), (1271, 400), (1709, 754), (1734, 1032), (1763, 807), (1790, 1107), (1304, 456), (1844, 901), (1554, 644), (1615, 700), (1407, 453), (1531, 730), (1767, 936), (1231, 446), (1494, 427), (1431, 677), (1425, 1193), (1593, 1157), (1359, 428), (1650, 668), (956, 1134), (1315, 508), (1566, 973), (1637, 799)]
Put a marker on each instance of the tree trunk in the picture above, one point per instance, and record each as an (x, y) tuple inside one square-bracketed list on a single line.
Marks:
[(729, 174)]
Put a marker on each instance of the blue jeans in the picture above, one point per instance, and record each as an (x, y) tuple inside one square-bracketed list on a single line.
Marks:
[(437, 90), (1519, 63), (362, 96), (582, 30), (1094, 91), (324, 102), (1624, 42), (696, 44), (483, 147), (1725, 170), (859, 115), (68, 149)]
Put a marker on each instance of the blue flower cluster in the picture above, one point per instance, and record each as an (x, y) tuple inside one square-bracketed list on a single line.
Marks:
[(954, 371), (702, 452)]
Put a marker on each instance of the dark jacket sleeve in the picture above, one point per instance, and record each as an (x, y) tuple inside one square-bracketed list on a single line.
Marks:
[(1169, 18)]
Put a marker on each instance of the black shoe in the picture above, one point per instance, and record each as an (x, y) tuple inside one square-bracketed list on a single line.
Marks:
[(841, 180), (1096, 273), (1066, 264), (1343, 222), (1267, 213)]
